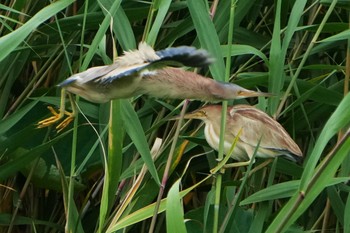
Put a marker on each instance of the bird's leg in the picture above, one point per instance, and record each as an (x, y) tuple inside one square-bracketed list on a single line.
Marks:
[(70, 115), (57, 116)]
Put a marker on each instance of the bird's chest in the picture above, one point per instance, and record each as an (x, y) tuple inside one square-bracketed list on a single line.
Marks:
[(213, 138)]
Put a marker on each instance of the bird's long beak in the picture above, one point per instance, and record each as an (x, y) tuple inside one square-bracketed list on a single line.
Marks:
[(247, 93), (191, 115)]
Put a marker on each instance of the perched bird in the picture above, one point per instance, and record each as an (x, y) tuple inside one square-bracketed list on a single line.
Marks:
[(252, 126), (145, 71)]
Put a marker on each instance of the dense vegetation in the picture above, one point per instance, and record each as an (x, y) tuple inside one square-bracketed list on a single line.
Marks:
[(103, 172)]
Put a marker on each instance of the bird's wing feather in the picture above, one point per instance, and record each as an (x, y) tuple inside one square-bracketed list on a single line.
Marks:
[(88, 75), (184, 55), (175, 57), (256, 125), (135, 71), (145, 59), (127, 65)]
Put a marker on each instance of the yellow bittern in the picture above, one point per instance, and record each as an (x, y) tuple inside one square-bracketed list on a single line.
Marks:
[(145, 71), (253, 127)]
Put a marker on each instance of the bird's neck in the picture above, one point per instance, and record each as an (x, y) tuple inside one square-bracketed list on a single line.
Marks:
[(174, 83), (212, 137)]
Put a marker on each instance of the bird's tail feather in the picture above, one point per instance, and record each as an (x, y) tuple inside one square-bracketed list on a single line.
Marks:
[(292, 157)]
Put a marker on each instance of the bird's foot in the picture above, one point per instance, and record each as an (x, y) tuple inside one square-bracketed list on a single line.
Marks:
[(57, 116)]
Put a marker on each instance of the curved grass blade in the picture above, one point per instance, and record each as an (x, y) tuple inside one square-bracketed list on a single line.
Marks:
[(15, 117), (237, 49), (147, 211), (8, 44), (314, 180), (282, 190), (134, 129)]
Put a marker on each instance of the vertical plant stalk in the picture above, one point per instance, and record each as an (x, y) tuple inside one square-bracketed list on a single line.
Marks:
[(128, 198), (70, 226), (167, 167), (149, 21), (113, 162), (135, 187), (347, 74), (218, 181), (345, 170), (147, 29), (23, 192), (232, 209), (347, 66), (213, 8), (82, 38), (326, 216), (70, 205)]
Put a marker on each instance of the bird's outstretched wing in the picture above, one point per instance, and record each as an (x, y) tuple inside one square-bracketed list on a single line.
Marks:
[(145, 59), (174, 57), (185, 56), (87, 75)]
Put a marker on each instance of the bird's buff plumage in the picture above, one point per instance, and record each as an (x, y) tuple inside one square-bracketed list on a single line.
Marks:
[(254, 125), (145, 71), (124, 78)]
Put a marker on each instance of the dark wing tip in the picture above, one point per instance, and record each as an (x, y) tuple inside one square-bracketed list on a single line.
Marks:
[(188, 56), (66, 82), (293, 157)]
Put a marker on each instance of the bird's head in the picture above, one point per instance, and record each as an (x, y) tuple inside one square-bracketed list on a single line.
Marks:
[(233, 91), (207, 113)]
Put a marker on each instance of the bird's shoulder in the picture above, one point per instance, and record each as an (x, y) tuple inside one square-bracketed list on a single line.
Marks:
[(256, 125)]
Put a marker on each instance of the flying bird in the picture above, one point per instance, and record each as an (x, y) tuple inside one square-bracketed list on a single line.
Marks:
[(149, 72)]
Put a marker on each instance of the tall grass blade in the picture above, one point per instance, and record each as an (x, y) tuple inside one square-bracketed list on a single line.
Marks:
[(207, 36), (175, 221), (133, 128), (101, 32), (158, 22), (276, 71)]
